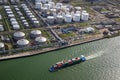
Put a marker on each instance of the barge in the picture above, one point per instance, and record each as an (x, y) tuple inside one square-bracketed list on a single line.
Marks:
[(67, 63)]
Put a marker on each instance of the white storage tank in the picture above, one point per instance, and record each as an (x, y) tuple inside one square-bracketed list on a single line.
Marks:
[(72, 13), (1, 28), (52, 4), (68, 18), (78, 12), (44, 9), (48, 6), (84, 11), (17, 1), (59, 5), (85, 17), (40, 40), (59, 19), (53, 10), (0, 17), (50, 19), (38, 5), (22, 43), (35, 33), (14, 22), (76, 17), (36, 23), (18, 35), (2, 46), (16, 27)]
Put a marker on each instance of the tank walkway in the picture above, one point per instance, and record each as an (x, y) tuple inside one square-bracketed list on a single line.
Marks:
[(52, 31)]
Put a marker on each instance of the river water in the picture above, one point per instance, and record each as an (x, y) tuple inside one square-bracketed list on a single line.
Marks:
[(103, 63)]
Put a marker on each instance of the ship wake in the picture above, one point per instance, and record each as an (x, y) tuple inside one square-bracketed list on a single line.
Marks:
[(94, 55)]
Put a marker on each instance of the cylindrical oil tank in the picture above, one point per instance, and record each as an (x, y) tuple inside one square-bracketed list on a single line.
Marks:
[(38, 5), (50, 19), (47, 6), (40, 40), (52, 4), (2, 46), (85, 16), (76, 17), (78, 12), (18, 35), (44, 10), (35, 33), (59, 5), (68, 18), (22, 43), (59, 19)]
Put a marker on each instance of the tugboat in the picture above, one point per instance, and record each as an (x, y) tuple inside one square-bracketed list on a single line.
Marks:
[(66, 63)]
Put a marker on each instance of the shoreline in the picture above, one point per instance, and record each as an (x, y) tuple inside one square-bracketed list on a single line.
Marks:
[(38, 52)]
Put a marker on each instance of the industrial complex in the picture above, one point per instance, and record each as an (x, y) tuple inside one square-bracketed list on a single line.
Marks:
[(27, 25)]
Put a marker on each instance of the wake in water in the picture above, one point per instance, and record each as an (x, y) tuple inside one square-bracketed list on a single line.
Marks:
[(94, 55)]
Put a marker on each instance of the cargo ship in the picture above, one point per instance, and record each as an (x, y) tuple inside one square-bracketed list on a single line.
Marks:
[(66, 63)]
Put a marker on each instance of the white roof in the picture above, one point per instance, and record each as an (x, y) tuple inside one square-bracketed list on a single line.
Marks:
[(1, 45), (19, 34), (41, 39), (36, 32), (22, 42)]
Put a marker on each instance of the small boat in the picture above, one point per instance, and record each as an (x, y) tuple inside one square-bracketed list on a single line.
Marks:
[(66, 63)]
